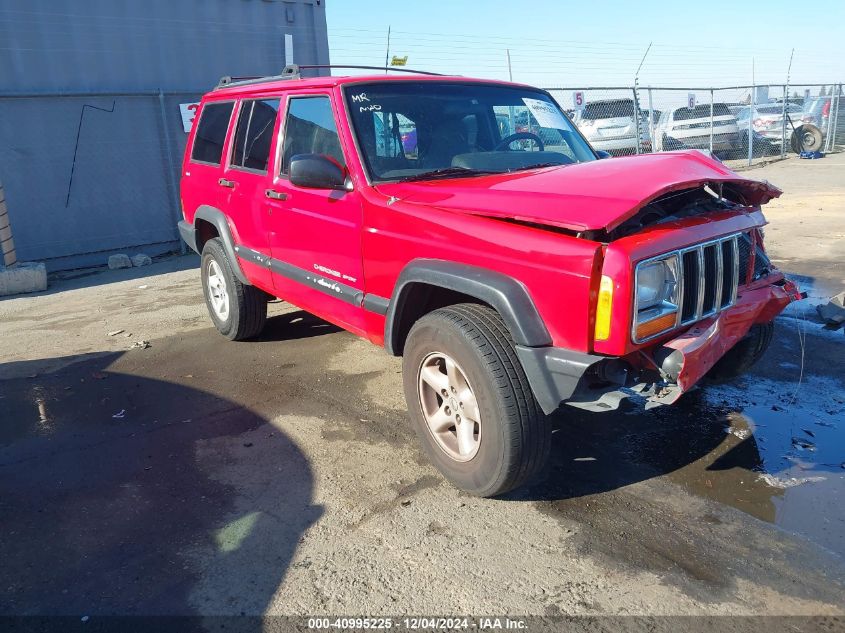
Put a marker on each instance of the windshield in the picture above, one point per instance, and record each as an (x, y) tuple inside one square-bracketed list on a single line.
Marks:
[(429, 129)]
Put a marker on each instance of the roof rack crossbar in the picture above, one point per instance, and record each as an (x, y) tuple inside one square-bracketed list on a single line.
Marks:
[(292, 72)]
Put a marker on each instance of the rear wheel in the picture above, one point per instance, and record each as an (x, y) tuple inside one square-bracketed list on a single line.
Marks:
[(470, 402), (237, 310)]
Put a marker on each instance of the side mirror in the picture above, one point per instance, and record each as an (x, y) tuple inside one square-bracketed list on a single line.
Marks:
[(603, 154), (315, 171)]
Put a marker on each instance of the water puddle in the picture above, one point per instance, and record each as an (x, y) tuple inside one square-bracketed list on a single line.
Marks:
[(789, 443)]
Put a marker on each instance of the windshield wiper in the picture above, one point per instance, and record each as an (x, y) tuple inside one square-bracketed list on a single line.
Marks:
[(450, 172), (537, 166)]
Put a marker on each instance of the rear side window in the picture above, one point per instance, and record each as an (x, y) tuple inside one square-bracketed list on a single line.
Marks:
[(211, 132), (310, 129), (608, 109), (254, 134), (702, 111)]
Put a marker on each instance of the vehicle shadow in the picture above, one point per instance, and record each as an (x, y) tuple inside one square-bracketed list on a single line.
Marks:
[(599, 452), (126, 494), (295, 325)]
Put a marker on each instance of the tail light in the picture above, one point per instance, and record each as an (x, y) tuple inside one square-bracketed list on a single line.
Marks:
[(826, 109)]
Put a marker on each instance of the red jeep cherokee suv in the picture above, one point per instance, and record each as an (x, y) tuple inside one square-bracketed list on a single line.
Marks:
[(513, 271)]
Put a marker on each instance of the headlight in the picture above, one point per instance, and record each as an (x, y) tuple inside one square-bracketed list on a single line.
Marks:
[(656, 297)]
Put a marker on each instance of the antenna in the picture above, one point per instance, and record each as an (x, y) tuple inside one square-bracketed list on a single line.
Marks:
[(387, 52)]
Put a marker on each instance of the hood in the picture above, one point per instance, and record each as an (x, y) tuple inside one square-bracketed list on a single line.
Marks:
[(601, 194)]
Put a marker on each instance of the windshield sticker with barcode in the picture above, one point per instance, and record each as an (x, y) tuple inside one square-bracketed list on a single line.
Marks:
[(547, 115)]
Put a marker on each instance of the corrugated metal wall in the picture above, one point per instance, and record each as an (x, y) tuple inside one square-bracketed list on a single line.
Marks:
[(97, 172)]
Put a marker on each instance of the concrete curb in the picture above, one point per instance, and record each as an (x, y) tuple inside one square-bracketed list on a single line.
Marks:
[(23, 277)]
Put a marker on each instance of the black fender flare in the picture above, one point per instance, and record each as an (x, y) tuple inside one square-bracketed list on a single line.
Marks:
[(217, 218), (508, 296)]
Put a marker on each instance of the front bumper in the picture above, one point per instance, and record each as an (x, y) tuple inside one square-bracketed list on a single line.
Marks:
[(660, 374)]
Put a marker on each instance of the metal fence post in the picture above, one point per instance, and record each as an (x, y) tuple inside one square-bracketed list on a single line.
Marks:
[(651, 119), (171, 169), (711, 120), (834, 116), (752, 104), (830, 134), (783, 121), (637, 119)]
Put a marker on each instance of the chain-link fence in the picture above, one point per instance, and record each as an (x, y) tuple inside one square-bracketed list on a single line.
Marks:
[(740, 124)]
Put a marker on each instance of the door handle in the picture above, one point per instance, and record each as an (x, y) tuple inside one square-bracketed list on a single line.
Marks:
[(223, 182), (275, 195)]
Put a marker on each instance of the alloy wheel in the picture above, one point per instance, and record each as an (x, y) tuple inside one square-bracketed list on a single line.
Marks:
[(449, 406)]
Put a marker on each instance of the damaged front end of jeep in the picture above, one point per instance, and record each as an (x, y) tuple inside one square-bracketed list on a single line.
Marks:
[(686, 292)]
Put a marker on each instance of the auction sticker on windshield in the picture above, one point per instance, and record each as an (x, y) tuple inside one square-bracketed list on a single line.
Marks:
[(546, 114)]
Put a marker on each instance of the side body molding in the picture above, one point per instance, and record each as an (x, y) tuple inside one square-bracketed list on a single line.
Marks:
[(507, 295), (217, 218)]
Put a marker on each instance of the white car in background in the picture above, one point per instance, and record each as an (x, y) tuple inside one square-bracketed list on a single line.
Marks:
[(689, 128), (611, 126)]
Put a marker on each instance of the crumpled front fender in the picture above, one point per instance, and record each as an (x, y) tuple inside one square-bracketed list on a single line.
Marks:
[(704, 344)]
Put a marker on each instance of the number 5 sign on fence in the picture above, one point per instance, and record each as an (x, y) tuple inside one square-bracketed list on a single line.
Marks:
[(578, 100), (188, 112)]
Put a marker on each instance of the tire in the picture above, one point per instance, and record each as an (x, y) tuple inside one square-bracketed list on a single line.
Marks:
[(238, 311), (742, 356), (511, 437), (806, 138)]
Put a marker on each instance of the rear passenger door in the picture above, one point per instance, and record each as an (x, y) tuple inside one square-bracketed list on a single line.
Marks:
[(205, 167), (315, 234), (246, 179)]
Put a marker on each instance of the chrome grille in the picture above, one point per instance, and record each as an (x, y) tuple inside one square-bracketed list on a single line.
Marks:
[(709, 278)]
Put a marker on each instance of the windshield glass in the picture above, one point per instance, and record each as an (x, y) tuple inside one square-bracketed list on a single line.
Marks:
[(417, 130)]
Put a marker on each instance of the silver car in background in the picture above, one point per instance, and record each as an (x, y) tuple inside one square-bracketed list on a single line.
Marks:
[(611, 126), (767, 120), (689, 128)]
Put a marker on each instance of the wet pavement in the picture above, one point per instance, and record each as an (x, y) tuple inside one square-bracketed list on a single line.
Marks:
[(201, 476)]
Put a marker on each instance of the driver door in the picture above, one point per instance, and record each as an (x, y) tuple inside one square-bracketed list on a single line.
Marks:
[(315, 234)]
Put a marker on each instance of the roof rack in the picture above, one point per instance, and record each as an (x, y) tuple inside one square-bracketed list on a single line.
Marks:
[(291, 71)]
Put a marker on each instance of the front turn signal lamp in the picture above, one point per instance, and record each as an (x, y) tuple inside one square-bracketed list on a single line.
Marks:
[(604, 309)]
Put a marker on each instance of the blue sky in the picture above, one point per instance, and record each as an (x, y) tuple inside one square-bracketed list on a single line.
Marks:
[(591, 43)]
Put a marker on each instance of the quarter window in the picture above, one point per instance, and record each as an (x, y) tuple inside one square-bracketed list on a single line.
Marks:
[(254, 134), (310, 129), (211, 132)]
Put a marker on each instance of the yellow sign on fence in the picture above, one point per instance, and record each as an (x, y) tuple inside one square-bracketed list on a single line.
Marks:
[(399, 61)]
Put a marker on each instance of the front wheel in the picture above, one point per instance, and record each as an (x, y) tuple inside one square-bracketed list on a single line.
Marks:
[(742, 356), (470, 402), (237, 310)]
